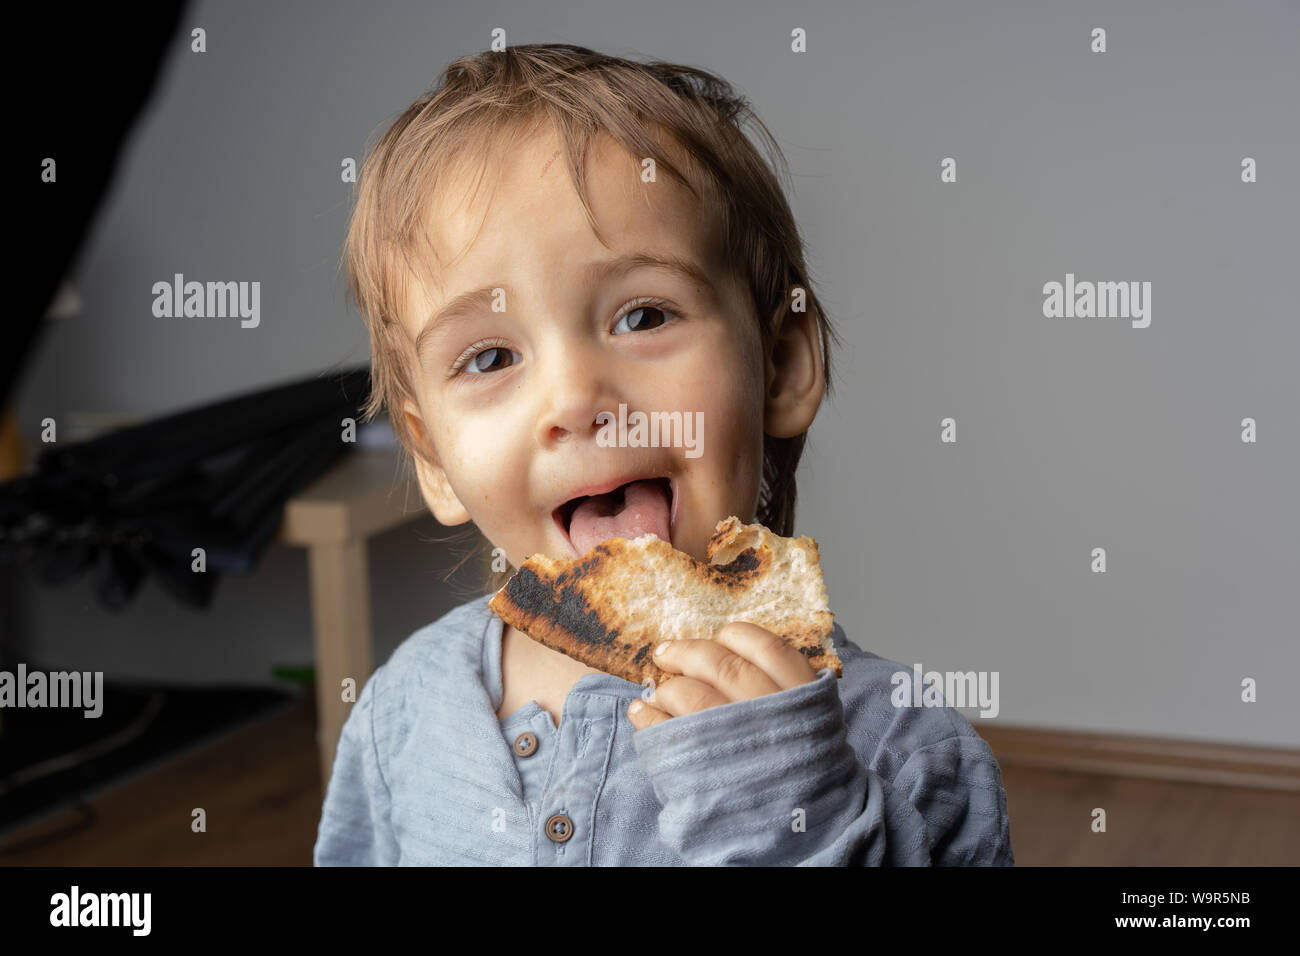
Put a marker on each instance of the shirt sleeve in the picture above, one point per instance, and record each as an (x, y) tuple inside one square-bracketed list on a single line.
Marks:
[(957, 786), (773, 781), (354, 827)]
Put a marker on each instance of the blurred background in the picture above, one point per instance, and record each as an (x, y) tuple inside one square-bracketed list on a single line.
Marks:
[(1121, 690)]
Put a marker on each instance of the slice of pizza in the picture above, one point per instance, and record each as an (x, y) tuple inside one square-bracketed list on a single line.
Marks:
[(610, 608)]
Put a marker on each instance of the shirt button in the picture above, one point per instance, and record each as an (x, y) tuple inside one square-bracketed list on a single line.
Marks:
[(559, 828), (526, 744)]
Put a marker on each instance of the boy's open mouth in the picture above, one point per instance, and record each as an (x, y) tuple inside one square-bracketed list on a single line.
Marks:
[(636, 507)]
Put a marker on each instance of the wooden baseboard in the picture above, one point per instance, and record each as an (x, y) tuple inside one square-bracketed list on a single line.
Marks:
[(1160, 758)]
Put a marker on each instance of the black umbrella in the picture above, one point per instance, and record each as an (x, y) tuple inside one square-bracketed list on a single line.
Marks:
[(143, 498)]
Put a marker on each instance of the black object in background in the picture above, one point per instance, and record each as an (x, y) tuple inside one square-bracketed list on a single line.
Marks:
[(141, 499), (54, 756), (89, 72)]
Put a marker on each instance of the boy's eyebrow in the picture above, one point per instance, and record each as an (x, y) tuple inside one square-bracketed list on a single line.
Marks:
[(480, 300)]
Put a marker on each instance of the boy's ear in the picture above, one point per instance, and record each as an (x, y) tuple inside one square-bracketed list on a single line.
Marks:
[(442, 501), (795, 375)]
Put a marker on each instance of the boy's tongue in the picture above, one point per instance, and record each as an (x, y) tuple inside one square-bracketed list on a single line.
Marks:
[(645, 509)]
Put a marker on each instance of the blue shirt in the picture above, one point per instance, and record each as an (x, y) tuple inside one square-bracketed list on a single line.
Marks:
[(829, 773)]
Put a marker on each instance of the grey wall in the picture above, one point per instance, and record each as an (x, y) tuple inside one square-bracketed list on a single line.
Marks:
[(1072, 434)]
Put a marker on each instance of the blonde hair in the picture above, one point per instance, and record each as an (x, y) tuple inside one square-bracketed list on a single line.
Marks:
[(582, 92)]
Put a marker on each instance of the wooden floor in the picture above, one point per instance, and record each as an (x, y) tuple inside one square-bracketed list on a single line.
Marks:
[(260, 789)]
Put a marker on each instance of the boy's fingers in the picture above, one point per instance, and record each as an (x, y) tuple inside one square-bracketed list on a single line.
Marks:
[(686, 695), (645, 715), (782, 663), (729, 675)]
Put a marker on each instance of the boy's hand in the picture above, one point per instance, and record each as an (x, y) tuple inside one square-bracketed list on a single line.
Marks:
[(742, 662)]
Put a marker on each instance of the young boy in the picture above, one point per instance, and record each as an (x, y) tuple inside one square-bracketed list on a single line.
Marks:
[(632, 249)]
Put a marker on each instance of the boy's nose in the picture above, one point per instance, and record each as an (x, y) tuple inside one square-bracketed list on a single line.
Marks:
[(576, 390)]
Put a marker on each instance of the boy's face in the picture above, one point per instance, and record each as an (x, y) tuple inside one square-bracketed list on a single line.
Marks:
[(514, 428)]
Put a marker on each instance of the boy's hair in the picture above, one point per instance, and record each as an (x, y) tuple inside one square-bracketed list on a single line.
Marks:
[(481, 97)]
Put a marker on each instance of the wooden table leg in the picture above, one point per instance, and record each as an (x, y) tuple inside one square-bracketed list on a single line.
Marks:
[(340, 610)]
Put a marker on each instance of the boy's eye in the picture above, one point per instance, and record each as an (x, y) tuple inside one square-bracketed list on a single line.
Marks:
[(490, 359), (640, 319)]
